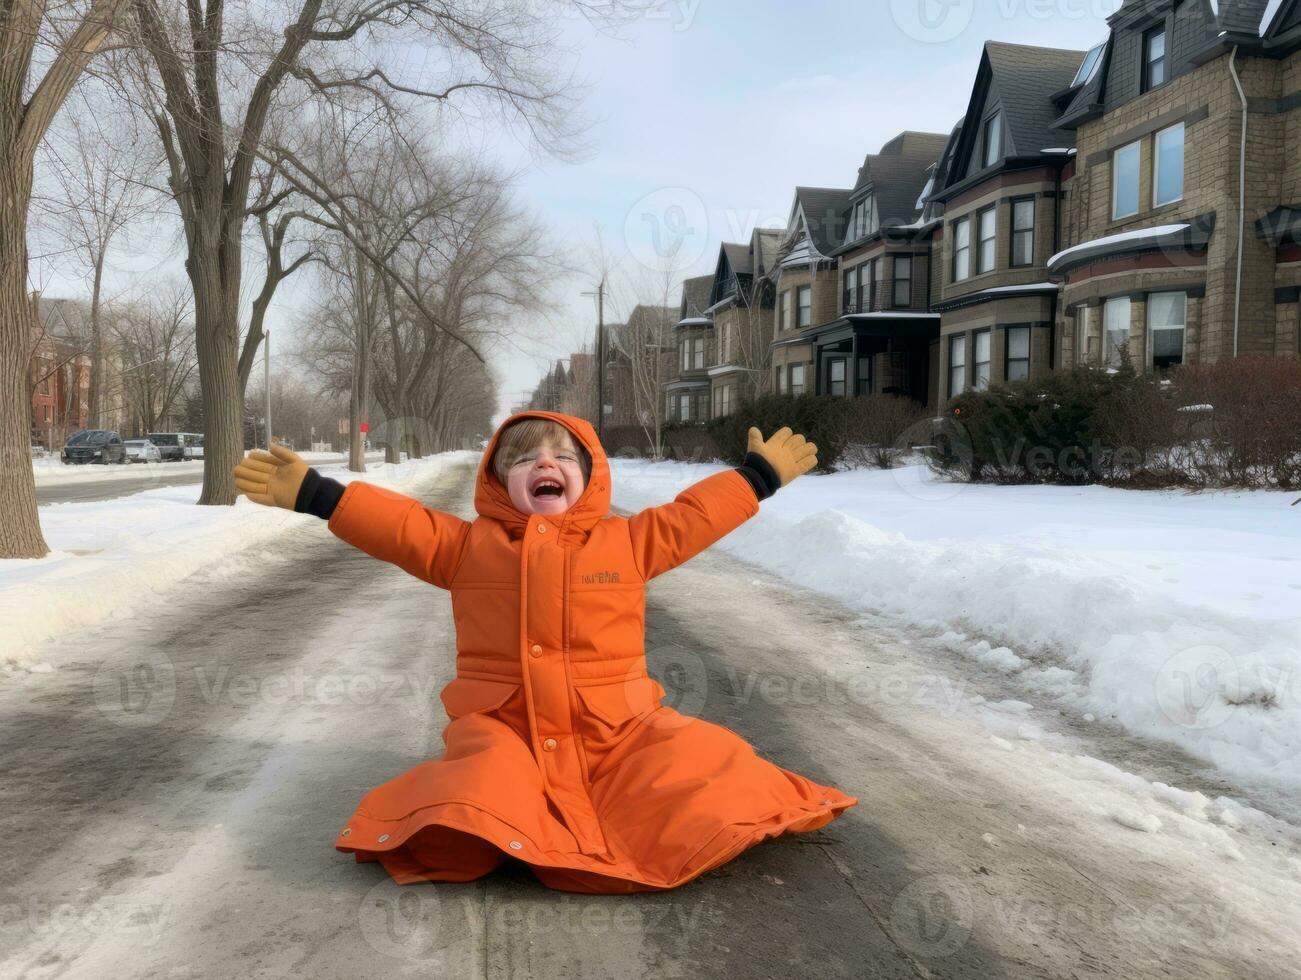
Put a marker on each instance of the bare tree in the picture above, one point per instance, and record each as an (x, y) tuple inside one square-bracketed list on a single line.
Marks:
[(502, 50), (155, 339), (100, 166), (63, 41)]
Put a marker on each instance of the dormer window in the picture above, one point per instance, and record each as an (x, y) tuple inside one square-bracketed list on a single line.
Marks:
[(993, 140), (1154, 59), (863, 221)]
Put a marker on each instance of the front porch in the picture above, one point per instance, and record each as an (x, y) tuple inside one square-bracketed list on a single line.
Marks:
[(886, 353)]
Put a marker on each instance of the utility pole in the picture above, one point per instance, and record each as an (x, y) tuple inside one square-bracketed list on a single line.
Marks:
[(266, 363)]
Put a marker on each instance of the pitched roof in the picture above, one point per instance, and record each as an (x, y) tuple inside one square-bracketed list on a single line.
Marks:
[(898, 174), (738, 257), (765, 247), (695, 296), (825, 210), (1027, 78)]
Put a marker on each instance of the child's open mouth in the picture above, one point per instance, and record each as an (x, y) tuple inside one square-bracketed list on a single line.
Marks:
[(547, 487)]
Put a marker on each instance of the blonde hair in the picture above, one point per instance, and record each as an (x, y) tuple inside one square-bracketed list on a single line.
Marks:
[(522, 437)]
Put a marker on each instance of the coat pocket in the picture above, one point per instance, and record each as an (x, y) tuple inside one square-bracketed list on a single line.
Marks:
[(472, 695), (616, 703)]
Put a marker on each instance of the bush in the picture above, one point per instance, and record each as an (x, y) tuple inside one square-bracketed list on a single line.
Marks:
[(819, 418), (879, 430), (1236, 423)]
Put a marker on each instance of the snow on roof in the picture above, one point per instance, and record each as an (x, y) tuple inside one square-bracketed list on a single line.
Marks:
[(1127, 236), (695, 321), (897, 315), (1034, 287), (1267, 19)]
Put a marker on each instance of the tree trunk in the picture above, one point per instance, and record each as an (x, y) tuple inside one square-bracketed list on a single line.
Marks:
[(96, 349), (20, 531), (217, 347)]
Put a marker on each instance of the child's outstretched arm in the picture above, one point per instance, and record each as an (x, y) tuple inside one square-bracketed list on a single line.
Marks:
[(664, 537), (394, 528)]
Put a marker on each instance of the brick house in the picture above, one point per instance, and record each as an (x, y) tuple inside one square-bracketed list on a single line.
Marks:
[(686, 392), (806, 284), (640, 360), (1001, 186), (1156, 211), (883, 334), (740, 305)]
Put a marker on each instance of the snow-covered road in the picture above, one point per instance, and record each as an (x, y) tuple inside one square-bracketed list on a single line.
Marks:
[(171, 793)]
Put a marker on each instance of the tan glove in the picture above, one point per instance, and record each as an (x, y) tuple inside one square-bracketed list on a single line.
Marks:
[(789, 455), (271, 478)]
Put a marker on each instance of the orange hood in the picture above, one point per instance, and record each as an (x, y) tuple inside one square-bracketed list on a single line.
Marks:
[(492, 500)]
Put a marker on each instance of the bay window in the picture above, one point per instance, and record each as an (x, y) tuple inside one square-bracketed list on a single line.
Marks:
[(903, 281), (961, 249), (1168, 166), (957, 364), (1124, 180), (1115, 330), (797, 379), (804, 303), (1017, 359), (1023, 232), (981, 360), (987, 225)]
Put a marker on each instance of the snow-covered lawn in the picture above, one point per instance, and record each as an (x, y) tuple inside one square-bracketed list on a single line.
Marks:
[(1176, 615), (118, 557)]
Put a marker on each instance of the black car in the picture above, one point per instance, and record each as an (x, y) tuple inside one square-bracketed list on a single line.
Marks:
[(95, 446)]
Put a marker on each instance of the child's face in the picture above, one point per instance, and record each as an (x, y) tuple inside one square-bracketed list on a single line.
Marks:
[(534, 477)]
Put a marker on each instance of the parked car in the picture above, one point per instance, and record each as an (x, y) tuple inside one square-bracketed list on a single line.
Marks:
[(193, 445), (94, 446), (142, 451), (170, 444)]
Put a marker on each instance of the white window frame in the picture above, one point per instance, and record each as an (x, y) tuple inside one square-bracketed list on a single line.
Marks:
[(800, 293), (1007, 351), (1115, 302), (1156, 165), (1137, 147), (955, 341), (963, 223), (797, 371), (990, 213), (994, 125), (987, 338), (1182, 329), (1083, 313), (786, 310)]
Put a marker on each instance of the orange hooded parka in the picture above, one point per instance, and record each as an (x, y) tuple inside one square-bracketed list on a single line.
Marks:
[(558, 749)]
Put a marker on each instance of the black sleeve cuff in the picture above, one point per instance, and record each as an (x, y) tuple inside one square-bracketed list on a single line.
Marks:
[(762, 478), (318, 495)]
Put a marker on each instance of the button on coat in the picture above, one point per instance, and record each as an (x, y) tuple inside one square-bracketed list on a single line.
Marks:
[(570, 758)]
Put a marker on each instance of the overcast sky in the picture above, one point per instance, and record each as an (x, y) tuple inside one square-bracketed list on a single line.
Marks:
[(705, 114)]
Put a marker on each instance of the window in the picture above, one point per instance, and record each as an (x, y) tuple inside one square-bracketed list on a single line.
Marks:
[(804, 297), (836, 376), (849, 301), (684, 406), (982, 358), (685, 349), (864, 375), (957, 364), (1115, 331), (903, 281), (1089, 66), (1166, 316), (867, 279), (1018, 353), (1083, 342), (727, 398), (985, 255), (961, 249), (797, 379), (1168, 166), (1124, 181), (784, 317), (993, 141), (1023, 232), (699, 353), (1154, 60)]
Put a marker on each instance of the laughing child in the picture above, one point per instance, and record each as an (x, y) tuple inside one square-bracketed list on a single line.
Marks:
[(558, 750)]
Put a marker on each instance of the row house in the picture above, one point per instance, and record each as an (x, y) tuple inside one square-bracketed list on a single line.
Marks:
[(687, 391), (641, 358), (1140, 200), (1183, 216), (1001, 184)]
